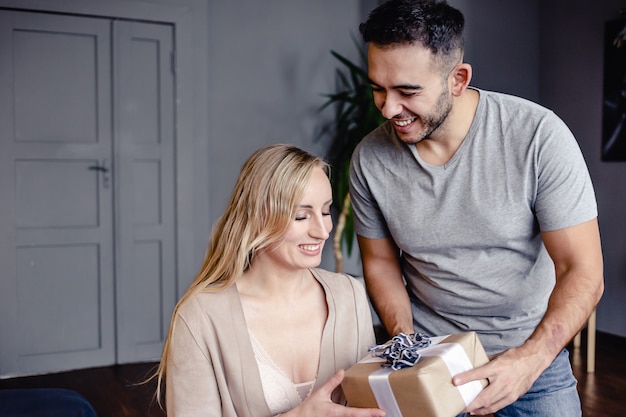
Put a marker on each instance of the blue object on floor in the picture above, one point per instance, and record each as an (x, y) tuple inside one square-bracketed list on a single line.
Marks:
[(44, 402)]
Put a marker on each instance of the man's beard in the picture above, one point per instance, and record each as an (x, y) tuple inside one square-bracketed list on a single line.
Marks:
[(435, 120)]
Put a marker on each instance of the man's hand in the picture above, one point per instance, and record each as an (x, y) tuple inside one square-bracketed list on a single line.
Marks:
[(510, 375)]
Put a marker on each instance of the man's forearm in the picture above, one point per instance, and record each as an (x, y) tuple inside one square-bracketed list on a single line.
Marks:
[(391, 303), (385, 285), (574, 297), (577, 255)]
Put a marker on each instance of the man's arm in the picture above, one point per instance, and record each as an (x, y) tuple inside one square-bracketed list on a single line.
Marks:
[(577, 256), (384, 283)]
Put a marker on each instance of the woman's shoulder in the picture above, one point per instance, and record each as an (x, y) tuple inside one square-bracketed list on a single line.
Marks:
[(207, 302), (326, 274), (214, 320), (338, 280)]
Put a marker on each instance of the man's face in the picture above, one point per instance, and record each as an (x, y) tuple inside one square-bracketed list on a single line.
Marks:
[(409, 90)]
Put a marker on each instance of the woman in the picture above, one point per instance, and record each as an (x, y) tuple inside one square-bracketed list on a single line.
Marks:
[(260, 331)]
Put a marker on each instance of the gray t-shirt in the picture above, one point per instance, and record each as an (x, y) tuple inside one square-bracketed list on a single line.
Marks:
[(469, 230)]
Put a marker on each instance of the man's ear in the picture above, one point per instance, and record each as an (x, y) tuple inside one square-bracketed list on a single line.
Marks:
[(460, 78)]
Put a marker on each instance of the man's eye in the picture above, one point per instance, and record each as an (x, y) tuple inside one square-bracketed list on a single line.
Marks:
[(407, 93)]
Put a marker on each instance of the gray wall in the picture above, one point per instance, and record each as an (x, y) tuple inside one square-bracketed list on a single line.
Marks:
[(572, 48), (260, 69), (502, 44), (268, 64)]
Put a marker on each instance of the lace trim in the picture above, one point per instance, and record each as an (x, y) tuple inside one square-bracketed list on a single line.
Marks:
[(281, 394)]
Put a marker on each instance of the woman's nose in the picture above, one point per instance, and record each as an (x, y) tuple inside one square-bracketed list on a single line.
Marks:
[(321, 227)]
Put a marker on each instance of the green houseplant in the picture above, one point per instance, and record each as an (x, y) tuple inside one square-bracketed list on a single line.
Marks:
[(355, 115)]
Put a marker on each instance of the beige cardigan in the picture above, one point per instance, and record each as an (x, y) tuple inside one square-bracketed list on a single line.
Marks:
[(211, 367)]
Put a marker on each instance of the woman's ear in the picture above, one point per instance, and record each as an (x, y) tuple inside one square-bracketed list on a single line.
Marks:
[(460, 78)]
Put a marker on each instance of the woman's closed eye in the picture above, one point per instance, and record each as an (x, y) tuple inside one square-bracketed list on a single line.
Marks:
[(302, 216), (306, 216)]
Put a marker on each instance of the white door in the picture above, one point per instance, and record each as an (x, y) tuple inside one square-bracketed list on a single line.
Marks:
[(86, 186), (144, 144)]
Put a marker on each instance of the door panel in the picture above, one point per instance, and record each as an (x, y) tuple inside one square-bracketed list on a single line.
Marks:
[(57, 263), (56, 292), (55, 75), (40, 182), (144, 120)]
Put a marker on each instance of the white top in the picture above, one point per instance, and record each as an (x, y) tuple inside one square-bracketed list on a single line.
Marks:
[(281, 394)]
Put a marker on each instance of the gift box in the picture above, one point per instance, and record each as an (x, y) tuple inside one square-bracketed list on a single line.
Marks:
[(424, 389)]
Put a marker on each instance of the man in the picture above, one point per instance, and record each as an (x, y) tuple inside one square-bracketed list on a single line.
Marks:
[(474, 211)]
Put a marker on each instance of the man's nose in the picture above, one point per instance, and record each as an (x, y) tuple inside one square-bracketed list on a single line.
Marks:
[(391, 107)]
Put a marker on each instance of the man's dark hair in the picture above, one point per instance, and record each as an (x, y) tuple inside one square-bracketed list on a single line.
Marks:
[(432, 23)]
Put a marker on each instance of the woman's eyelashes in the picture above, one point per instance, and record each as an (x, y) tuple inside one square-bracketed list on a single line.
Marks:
[(306, 216)]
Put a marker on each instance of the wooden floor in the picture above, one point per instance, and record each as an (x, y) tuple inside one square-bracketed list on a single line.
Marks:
[(114, 392)]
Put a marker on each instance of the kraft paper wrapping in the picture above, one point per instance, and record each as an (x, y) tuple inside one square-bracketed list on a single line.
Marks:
[(424, 390)]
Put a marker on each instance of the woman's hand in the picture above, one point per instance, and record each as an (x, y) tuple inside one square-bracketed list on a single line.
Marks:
[(319, 403)]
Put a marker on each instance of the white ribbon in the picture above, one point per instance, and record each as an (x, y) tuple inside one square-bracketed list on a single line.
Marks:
[(379, 382), (457, 361), (453, 355)]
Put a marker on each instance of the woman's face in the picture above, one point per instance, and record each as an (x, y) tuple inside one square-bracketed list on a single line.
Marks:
[(302, 244)]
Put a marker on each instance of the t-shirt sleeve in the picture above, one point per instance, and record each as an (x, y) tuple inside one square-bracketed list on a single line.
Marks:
[(368, 218), (565, 194)]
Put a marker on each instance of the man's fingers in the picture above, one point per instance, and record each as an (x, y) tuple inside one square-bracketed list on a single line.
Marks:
[(475, 374)]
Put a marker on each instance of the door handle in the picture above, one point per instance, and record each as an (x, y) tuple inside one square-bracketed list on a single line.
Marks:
[(104, 170)]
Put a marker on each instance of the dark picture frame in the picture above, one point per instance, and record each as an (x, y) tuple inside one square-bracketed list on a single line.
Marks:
[(614, 91)]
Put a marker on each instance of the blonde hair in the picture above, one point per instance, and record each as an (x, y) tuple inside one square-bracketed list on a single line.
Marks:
[(270, 186)]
